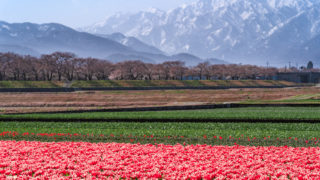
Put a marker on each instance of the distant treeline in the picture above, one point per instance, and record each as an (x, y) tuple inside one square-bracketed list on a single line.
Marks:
[(66, 66)]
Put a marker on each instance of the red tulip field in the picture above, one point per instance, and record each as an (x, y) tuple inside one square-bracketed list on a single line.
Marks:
[(49, 149), (81, 160)]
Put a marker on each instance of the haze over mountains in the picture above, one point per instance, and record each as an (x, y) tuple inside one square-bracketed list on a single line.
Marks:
[(37, 39), (247, 31)]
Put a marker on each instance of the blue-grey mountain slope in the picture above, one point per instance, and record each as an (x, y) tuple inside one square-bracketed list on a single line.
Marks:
[(47, 38), (132, 42)]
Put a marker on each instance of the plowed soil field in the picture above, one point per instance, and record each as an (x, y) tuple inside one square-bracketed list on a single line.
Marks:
[(46, 102)]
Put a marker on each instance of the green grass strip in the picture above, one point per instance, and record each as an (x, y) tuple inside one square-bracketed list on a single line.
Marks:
[(254, 113), (190, 132), (134, 83)]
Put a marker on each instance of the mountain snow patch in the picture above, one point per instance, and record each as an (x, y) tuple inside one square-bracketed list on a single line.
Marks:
[(5, 27), (13, 34), (186, 47), (43, 28), (245, 15)]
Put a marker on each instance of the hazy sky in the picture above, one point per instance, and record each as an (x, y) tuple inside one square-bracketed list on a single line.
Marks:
[(75, 13)]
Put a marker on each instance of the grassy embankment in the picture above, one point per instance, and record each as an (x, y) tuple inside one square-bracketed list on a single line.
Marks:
[(127, 83)]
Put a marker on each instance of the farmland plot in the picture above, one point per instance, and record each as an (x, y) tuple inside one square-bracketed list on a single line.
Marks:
[(46, 102)]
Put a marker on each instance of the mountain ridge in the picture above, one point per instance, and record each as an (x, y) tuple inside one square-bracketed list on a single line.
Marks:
[(246, 31), (36, 39)]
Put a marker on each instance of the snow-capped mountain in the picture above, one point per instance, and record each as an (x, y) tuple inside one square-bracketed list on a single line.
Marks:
[(247, 31)]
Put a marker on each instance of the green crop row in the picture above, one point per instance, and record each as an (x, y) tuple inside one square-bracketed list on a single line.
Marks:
[(191, 130), (253, 113), (215, 140), (294, 134)]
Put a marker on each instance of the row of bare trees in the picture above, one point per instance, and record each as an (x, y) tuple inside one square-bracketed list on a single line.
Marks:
[(66, 66)]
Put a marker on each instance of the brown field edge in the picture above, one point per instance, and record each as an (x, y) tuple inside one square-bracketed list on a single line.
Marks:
[(174, 108)]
